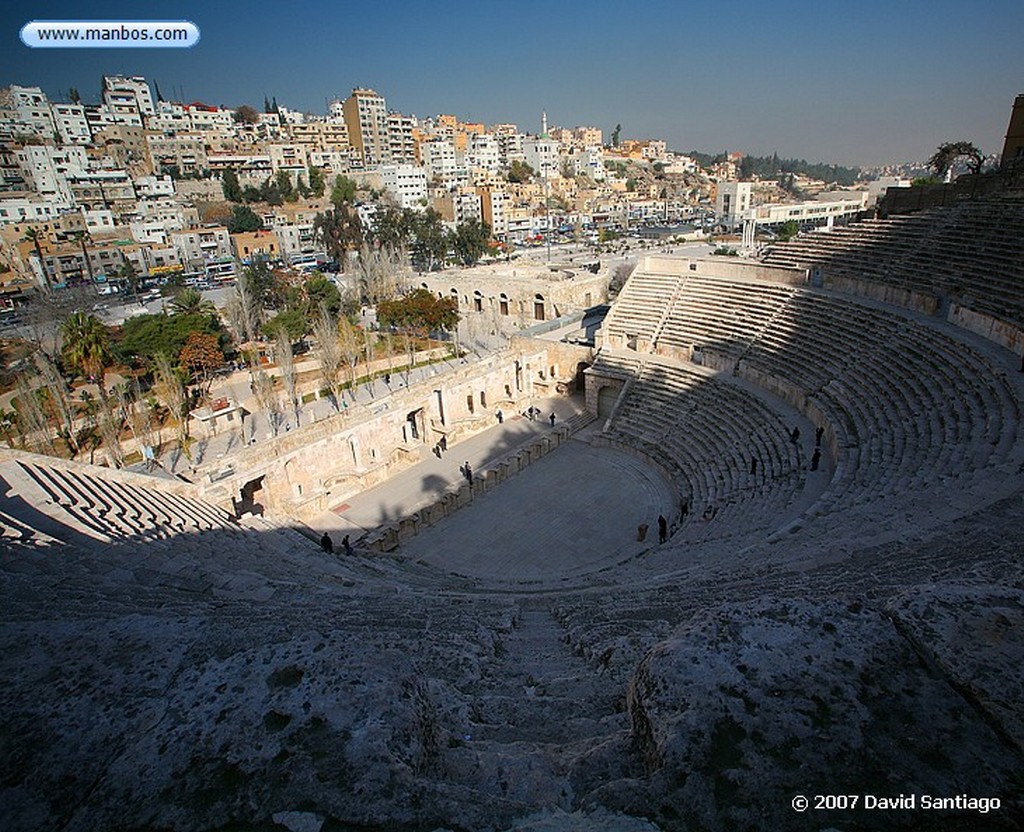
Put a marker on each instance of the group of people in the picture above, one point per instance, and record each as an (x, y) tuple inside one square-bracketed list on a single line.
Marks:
[(441, 447), (328, 545), (534, 413)]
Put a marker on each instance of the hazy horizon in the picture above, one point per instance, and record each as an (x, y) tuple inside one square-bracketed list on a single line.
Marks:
[(865, 86)]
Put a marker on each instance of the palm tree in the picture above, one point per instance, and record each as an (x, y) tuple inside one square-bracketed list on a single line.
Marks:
[(80, 237), (191, 302), (87, 347), (34, 236)]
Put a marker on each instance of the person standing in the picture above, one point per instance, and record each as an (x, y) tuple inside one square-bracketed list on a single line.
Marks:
[(327, 544), (500, 415), (662, 528), (815, 459), (552, 418)]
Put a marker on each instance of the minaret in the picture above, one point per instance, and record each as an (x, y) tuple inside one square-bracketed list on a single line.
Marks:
[(544, 123)]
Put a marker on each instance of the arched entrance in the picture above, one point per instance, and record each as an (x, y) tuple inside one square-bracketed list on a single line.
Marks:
[(581, 378)]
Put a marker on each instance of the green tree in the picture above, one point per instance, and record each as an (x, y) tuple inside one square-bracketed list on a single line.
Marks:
[(949, 153), (519, 172), (616, 135), (432, 241), (344, 191), (321, 292), (250, 193), (190, 301), (230, 185), (788, 230), (294, 323), (270, 193), (266, 288), (471, 241), (87, 347), (301, 188), (340, 231), (143, 336), (243, 218), (283, 180), (419, 313), (393, 227), (316, 181)]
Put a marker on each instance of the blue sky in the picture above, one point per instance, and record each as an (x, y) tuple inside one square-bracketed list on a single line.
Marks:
[(864, 82)]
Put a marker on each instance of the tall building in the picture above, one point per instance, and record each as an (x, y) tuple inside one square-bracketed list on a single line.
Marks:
[(401, 146), (732, 200), (128, 99), (366, 116)]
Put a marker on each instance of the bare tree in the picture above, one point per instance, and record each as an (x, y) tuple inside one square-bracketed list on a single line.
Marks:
[(32, 422), (136, 414), (59, 399), (266, 396), (171, 390), (289, 376), (108, 421), (351, 350), (243, 309), (383, 272), (328, 353)]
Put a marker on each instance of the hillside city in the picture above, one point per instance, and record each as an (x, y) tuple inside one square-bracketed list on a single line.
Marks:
[(137, 185)]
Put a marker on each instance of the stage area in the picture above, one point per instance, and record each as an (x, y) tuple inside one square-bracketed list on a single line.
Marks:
[(571, 513)]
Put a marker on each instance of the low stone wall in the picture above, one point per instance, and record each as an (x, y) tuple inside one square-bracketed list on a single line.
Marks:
[(724, 267), (926, 304), (388, 538), (1000, 332)]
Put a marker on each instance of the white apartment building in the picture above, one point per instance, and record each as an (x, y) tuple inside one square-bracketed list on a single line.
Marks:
[(29, 109), (128, 100), (542, 155), (407, 183), (401, 146), (439, 158), (510, 145), (732, 201), (154, 186), (198, 246), (71, 123), (98, 116), (29, 209), (46, 169), (172, 214), (483, 152), (210, 118), (589, 162)]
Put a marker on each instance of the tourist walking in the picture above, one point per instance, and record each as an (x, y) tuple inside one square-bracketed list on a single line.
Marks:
[(815, 459)]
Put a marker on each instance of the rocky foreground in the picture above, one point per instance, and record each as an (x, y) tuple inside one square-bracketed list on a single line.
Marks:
[(307, 695)]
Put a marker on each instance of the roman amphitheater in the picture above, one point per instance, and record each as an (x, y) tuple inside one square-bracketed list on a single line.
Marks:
[(833, 436)]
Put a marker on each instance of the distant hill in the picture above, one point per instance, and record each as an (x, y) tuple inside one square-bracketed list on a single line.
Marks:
[(772, 167)]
